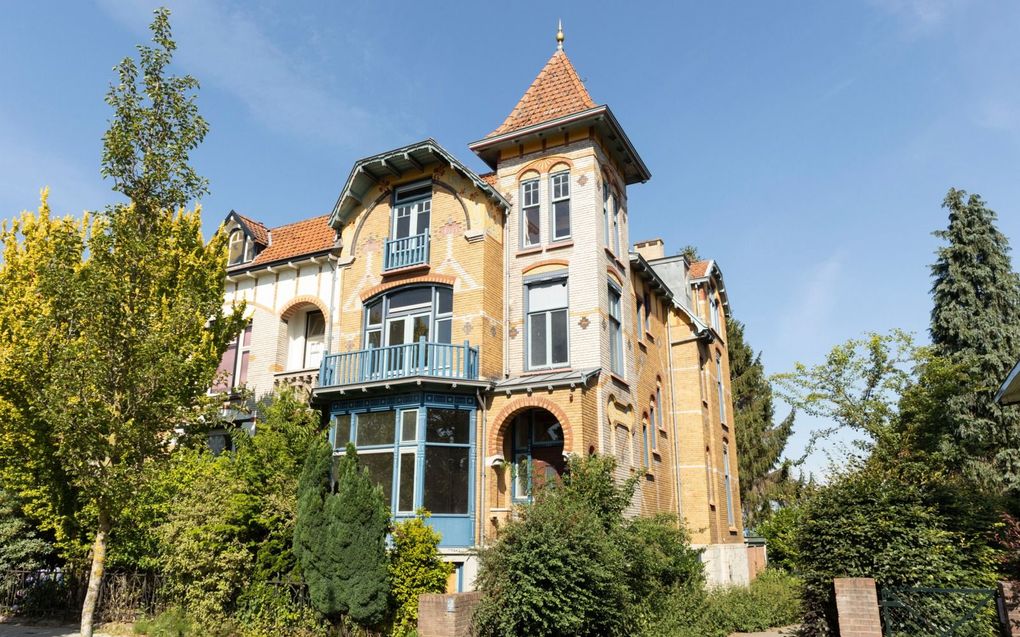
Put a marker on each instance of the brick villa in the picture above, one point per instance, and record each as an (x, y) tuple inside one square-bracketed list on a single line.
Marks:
[(461, 327)]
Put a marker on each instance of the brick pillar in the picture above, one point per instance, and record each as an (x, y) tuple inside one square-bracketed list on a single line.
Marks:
[(447, 615), (857, 606), (1009, 607)]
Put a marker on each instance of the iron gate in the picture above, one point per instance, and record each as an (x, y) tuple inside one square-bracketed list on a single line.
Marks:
[(939, 612)]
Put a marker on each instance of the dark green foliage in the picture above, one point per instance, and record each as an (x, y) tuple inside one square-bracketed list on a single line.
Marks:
[(900, 532), (359, 521), (156, 125), (416, 568), (975, 323), (765, 478), (312, 529), (780, 533), (21, 546)]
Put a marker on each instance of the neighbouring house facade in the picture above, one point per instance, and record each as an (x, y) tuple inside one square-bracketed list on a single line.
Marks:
[(470, 332)]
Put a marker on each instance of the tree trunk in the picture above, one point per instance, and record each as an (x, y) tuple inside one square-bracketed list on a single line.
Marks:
[(88, 609)]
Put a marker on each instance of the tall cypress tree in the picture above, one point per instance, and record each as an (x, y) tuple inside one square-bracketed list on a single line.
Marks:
[(975, 323), (312, 530), (764, 475)]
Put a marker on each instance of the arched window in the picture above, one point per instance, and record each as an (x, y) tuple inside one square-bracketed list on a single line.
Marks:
[(240, 248), (408, 315)]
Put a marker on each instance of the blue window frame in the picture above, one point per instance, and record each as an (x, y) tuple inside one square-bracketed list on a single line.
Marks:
[(420, 449)]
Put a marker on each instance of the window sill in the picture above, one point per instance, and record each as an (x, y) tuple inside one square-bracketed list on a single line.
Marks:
[(558, 245), (546, 370), (641, 344), (657, 453), (407, 269), (523, 252), (733, 530), (649, 337), (619, 379), (615, 260)]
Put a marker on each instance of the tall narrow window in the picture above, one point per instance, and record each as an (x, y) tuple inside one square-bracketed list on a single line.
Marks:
[(315, 333), (412, 209), (644, 440), (640, 302), (240, 248), (616, 223), (729, 490), (605, 215), (658, 403), (713, 305), (530, 217), (559, 186), (722, 390), (547, 324), (648, 312), (652, 412), (615, 332)]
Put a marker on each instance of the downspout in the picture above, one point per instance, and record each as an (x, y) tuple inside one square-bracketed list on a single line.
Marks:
[(506, 296), (483, 446)]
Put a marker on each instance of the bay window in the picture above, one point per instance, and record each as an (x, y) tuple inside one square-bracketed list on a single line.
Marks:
[(547, 303), (559, 186)]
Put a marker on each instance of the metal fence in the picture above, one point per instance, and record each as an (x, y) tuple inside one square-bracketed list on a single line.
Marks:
[(59, 594), (939, 612)]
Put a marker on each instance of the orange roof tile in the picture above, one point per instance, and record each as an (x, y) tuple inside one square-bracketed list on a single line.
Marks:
[(556, 92), (489, 178), (258, 230), (296, 239), (699, 269)]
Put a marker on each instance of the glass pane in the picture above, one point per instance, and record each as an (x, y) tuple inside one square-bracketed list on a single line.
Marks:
[(236, 250), (424, 211), (537, 339), (376, 428), (444, 331), (380, 470), (374, 339), (402, 227), (225, 370), (407, 298), (560, 185), (547, 296), (420, 328), (242, 373), (522, 467), (405, 501), (521, 429), (409, 425), (413, 192), (531, 227), (375, 313), (446, 479), (561, 219), (396, 332), (444, 304), (246, 337), (341, 431), (315, 329), (547, 428), (558, 330), (529, 193), (451, 426)]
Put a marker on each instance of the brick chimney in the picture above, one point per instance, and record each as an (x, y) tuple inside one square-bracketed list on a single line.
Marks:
[(651, 249)]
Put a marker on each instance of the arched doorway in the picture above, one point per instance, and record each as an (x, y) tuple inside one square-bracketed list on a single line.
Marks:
[(535, 446)]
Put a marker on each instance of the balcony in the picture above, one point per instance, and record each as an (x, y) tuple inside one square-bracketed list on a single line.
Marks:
[(422, 359), (406, 252)]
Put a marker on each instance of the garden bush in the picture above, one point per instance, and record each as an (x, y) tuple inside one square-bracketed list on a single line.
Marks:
[(416, 568)]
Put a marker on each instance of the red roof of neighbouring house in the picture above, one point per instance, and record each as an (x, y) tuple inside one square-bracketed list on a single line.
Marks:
[(556, 92), (291, 241), (699, 269), (258, 230), (489, 178)]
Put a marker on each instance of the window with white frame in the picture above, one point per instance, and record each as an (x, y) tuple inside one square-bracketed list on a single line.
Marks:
[(412, 210), (240, 248), (547, 342), (648, 312), (615, 332), (559, 187), (713, 305), (232, 371), (615, 204), (722, 389), (605, 215), (730, 518), (531, 218), (315, 339)]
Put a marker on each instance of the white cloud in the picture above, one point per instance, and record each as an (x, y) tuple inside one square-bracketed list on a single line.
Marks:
[(223, 46), (919, 17)]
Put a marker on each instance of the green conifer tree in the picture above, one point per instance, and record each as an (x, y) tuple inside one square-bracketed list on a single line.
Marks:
[(312, 530), (764, 475), (359, 520), (975, 323)]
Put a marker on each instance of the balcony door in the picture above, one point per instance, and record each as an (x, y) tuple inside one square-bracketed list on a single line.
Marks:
[(407, 330)]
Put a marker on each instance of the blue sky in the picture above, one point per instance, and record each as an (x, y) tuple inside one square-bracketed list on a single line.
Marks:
[(806, 146)]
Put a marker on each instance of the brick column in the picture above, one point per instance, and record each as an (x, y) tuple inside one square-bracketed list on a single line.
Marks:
[(447, 615), (1009, 607), (857, 606)]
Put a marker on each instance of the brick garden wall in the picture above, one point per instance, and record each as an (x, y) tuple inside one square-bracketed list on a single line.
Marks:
[(447, 615), (857, 606)]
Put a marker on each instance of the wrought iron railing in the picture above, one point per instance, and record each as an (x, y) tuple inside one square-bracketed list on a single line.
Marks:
[(440, 360), (407, 251)]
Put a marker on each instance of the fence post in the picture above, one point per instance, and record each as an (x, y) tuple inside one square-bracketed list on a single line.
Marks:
[(857, 607), (1009, 608)]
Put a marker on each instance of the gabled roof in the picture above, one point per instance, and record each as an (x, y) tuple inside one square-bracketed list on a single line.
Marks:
[(699, 269), (289, 242), (367, 172), (258, 231), (556, 92), (709, 269)]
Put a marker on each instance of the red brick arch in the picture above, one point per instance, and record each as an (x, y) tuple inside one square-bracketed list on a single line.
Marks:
[(298, 302), (520, 404)]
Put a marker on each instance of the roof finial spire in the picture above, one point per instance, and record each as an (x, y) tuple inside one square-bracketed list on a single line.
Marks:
[(559, 36)]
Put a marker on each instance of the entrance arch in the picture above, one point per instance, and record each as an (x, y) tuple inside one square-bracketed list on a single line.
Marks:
[(533, 436)]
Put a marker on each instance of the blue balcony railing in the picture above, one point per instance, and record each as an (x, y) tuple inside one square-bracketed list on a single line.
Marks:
[(439, 360), (405, 252)]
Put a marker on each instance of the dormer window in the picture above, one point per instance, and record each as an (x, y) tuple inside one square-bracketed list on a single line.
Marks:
[(240, 249), (409, 232)]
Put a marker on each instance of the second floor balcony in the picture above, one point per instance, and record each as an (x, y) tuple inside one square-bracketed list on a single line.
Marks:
[(423, 359), (406, 251)]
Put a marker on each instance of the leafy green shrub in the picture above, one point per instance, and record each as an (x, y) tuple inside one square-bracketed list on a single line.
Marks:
[(559, 569), (780, 532), (171, 623), (416, 568), (268, 610), (901, 533), (773, 599)]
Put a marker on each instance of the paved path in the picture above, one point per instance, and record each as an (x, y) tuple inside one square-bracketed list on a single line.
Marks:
[(21, 630), (775, 632)]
